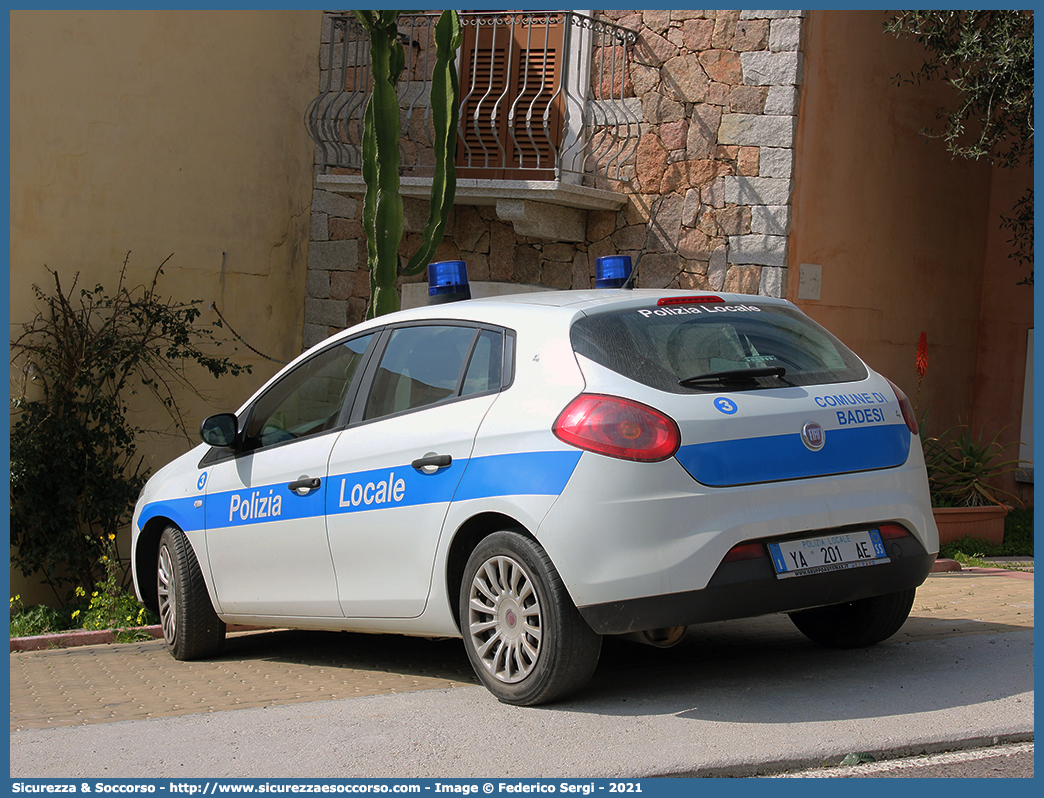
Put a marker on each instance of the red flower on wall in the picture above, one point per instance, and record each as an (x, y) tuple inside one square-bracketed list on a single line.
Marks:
[(922, 355)]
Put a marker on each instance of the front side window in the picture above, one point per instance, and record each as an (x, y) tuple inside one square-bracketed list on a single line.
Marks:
[(309, 399), (662, 347)]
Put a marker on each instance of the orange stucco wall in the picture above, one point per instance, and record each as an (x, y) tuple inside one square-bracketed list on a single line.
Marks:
[(908, 238), (1005, 317)]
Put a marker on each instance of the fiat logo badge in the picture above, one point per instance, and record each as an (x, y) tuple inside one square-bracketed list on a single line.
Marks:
[(812, 436)]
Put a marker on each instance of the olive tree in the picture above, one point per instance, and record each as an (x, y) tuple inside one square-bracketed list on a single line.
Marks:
[(987, 57)]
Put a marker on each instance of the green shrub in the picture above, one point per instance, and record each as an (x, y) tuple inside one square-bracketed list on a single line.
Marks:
[(38, 620), (109, 606), (75, 467), (1018, 532), (96, 612)]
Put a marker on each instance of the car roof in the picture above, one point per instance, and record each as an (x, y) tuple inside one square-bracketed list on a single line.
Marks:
[(543, 310), (615, 298), (539, 307), (582, 301), (512, 310)]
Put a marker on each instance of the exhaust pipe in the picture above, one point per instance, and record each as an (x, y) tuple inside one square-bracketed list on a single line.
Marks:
[(660, 638)]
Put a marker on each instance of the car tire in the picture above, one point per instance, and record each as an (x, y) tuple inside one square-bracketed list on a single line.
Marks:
[(856, 623), (524, 636), (191, 628)]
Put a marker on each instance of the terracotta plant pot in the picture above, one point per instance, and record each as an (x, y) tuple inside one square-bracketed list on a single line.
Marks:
[(983, 523)]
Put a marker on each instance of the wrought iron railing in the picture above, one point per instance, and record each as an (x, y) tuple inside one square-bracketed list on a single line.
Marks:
[(543, 95)]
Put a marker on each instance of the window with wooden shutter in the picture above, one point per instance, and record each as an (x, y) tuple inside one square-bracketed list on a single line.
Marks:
[(511, 97)]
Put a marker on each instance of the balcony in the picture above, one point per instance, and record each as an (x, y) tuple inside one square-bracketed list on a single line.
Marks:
[(547, 112)]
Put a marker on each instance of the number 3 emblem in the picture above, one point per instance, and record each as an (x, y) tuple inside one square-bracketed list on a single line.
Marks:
[(726, 406)]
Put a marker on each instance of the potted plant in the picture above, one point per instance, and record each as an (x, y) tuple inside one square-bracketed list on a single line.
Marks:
[(961, 466)]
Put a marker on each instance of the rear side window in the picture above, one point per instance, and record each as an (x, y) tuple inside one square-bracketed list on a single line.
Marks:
[(484, 370), (660, 347)]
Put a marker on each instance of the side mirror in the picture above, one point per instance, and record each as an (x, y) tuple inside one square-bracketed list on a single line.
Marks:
[(220, 430)]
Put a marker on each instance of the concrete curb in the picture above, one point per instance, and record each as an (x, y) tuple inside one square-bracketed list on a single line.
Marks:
[(944, 566), (1000, 572), (770, 769), (77, 637), (83, 637)]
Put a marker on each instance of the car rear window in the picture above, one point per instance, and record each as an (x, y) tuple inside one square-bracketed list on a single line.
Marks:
[(661, 346)]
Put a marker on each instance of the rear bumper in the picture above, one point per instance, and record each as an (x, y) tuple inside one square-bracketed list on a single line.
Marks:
[(749, 588)]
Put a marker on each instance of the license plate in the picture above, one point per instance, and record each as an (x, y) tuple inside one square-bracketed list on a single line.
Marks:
[(834, 552)]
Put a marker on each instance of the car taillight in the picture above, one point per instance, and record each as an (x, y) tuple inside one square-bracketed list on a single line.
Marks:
[(892, 531), (905, 407), (745, 551), (617, 427)]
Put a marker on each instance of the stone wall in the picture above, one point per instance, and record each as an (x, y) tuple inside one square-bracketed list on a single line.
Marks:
[(712, 171)]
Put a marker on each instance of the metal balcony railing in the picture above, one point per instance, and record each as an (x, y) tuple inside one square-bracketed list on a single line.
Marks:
[(543, 96)]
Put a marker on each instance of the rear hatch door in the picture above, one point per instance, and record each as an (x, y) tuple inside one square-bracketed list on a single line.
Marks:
[(760, 392)]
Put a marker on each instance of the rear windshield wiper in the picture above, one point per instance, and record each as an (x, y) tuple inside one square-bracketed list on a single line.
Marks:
[(734, 375)]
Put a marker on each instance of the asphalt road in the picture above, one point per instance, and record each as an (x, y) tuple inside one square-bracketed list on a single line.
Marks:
[(713, 706)]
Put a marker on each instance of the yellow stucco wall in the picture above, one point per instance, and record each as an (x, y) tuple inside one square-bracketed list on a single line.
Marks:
[(168, 132)]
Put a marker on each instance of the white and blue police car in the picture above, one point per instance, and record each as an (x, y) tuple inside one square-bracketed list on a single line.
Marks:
[(533, 472)]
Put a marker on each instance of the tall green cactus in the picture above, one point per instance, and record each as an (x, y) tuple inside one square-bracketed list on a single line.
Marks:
[(444, 94), (382, 207)]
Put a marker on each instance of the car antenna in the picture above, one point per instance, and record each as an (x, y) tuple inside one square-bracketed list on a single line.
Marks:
[(632, 280)]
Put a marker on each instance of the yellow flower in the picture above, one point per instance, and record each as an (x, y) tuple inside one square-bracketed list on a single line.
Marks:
[(75, 614), (81, 592), (111, 536)]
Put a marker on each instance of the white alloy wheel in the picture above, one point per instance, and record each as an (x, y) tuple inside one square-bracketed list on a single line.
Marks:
[(191, 628), (504, 619), (524, 636), (167, 595)]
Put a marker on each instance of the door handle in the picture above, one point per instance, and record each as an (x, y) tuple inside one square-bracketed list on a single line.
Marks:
[(305, 483), (432, 461)]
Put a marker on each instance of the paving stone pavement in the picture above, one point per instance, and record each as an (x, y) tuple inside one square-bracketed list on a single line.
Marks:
[(134, 681)]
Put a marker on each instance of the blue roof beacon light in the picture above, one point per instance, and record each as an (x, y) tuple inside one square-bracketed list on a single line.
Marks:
[(448, 282), (612, 271)]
